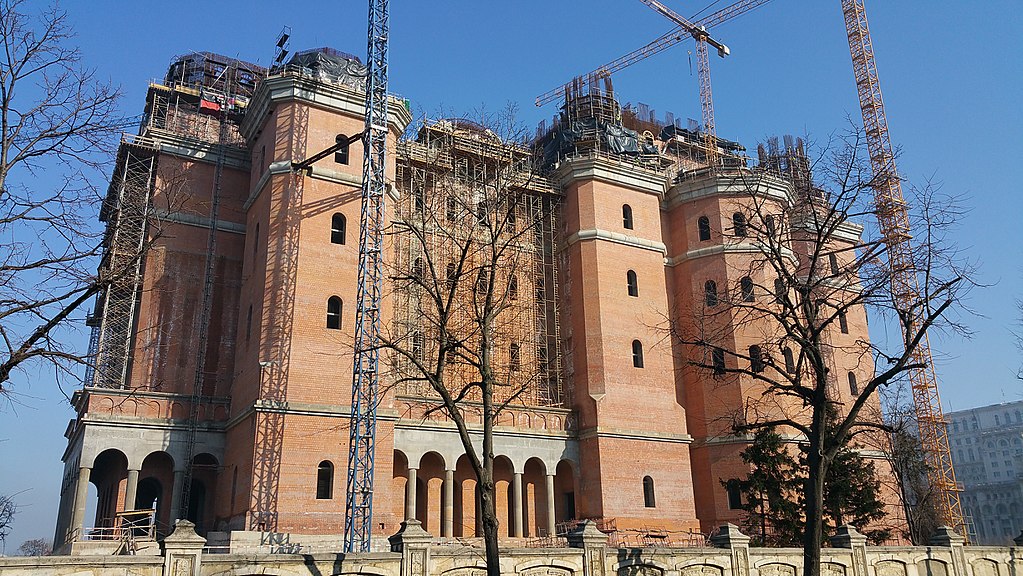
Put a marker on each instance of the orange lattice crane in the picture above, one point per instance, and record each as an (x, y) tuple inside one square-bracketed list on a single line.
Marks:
[(683, 31), (894, 224)]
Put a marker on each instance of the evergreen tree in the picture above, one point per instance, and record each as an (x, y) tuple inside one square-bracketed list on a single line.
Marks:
[(773, 498)]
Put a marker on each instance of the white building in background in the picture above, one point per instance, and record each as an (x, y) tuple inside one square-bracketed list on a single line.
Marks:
[(987, 450)]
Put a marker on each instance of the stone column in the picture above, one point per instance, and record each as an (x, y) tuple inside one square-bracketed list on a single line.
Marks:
[(594, 545), (414, 544), (847, 537), (131, 489), (729, 536), (175, 511), (551, 528), (448, 523), (81, 493), (410, 495), (517, 505), (182, 550)]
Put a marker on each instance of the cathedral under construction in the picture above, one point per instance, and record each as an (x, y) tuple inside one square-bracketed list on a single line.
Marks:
[(222, 349)]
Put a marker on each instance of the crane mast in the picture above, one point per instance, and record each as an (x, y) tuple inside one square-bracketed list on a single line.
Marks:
[(893, 219), (362, 431)]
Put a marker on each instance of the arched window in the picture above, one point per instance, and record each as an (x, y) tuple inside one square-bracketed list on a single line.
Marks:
[(739, 224), (790, 362), (450, 274), (452, 208), (746, 287), (854, 388), (627, 216), (843, 322), (325, 481), (648, 492), (710, 293), (779, 290), (338, 227), (769, 225), (833, 262), (482, 278), (248, 323), (334, 313), (417, 345), (703, 226), (637, 354), (513, 357), (341, 154), (255, 243), (718, 360), (417, 269), (513, 287), (734, 491), (512, 219), (756, 359), (630, 280)]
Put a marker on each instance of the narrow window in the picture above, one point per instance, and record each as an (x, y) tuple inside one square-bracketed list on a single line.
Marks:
[(756, 359), (513, 287), (718, 359), (746, 287), (452, 211), (627, 216), (512, 217), (417, 270), (451, 274), (325, 481), (417, 345), (255, 244), (710, 293), (854, 388), (790, 362), (739, 224), (248, 323), (262, 158), (703, 225), (334, 313), (648, 492), (637, 354), (734, 495), (843, 322), (338, 227), (482, 212), (341, 154), (513, 358), (417, 196), (630, 280), (833, 261), (481, 281), (769, 225), (779, 290)]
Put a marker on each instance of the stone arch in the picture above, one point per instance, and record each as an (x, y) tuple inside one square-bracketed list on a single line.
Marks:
[(399, 481), (429, 491), (931, 567), (110, 476), (549, 567), (564, 491), (985, 567), (534, 497), (465, 518), (504, 471), (890, 568), (639, 568), (156, 481), (465, 571), (777, 569), (200, 508), (700, 569)]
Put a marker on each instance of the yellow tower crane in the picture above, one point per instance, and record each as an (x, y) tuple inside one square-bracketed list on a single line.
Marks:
[(893, 218)]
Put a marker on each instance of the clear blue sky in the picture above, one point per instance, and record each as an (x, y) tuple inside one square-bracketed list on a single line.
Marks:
[(952, 74)]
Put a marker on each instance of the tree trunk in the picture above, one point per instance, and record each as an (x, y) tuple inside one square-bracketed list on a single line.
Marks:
[(485, 492), (813, 530)]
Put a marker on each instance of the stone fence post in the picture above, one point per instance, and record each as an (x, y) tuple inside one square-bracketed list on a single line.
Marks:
[(594, 545), (182, 550), (847, 536), (946, 537), (729, 536), (414, 544)]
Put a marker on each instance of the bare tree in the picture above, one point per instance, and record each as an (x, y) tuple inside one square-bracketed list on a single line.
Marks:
[(56, 117), (794, 326), (35, 547), (7, 511), (473, 238)]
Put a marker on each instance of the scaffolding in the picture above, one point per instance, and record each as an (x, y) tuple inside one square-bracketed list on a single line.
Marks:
[(455, 175)]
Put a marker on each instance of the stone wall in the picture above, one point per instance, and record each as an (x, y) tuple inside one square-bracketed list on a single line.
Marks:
[(417, 553)]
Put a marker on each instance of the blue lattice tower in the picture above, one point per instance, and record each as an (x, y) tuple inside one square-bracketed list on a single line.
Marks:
[(362, 439)]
